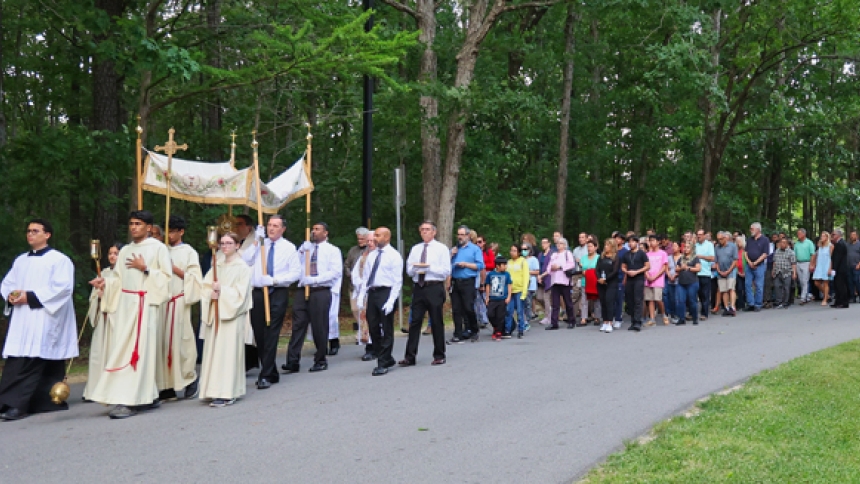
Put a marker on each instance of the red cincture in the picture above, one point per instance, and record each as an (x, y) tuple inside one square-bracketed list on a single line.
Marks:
[(135, 356), (172, 312)]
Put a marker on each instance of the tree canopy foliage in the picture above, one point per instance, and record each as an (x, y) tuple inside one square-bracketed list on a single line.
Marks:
[(681, 114)]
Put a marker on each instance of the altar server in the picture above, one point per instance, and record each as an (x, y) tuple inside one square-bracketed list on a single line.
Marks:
[(41, 335)]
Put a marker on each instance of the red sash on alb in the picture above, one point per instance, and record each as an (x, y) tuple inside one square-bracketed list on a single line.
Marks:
[(135, 356)]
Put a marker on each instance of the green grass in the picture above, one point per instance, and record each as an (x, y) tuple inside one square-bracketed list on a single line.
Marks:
[(799, 422)]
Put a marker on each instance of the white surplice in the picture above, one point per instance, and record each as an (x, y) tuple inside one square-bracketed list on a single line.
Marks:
[(133, 301), (48, 332)]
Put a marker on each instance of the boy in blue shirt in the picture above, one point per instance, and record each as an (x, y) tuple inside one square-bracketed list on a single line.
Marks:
[(497, 295)]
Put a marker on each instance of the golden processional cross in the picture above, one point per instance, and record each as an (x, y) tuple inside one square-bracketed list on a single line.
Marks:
[(170, 148)]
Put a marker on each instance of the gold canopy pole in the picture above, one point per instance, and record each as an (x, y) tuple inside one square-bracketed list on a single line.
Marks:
[(139, 166), (232, 164), (254, 145), (308, 210), (169, 149)]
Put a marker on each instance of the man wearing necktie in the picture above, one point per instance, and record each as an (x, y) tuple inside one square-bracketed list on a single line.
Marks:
[(382, 287), (429, 267), (282, 269), (323, 271)]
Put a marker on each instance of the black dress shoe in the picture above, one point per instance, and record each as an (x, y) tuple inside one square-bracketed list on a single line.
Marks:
[(321, 366), (333, 351), (367, 357), (290, 368), (13, 414), (389, 364), (263, 384), (379, 371), (551, 328)]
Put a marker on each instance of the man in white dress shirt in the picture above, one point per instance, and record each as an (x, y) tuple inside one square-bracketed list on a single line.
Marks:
[(38, 290), (281, 271), (381, 284), (429, 267), (320, 267)]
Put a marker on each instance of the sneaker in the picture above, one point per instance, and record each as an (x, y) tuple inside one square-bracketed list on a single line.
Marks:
[(218, 402), (528, 326), (780, 306), (703, 318), (608, 328), (603, 327), (506, 336), (497, 337), (455, 340), (519, 336), (616, 325)]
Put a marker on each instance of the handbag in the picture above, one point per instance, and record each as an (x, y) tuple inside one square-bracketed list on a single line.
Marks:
[(572, 272)]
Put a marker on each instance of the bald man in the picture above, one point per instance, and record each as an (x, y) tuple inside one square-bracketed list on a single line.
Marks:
[(381, 284)]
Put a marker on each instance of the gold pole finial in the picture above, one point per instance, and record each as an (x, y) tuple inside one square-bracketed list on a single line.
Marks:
[(254, 143)]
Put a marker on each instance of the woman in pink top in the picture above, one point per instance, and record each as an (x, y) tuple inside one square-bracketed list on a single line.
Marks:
[(562, 260)]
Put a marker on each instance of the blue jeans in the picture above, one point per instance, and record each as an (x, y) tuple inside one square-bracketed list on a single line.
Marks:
[(854, 283), (518, 305), (529, 308), (619, 303), (669, 298), (755, 277), (686, 296)]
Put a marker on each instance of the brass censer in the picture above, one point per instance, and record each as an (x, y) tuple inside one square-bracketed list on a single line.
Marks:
[(60, 391)]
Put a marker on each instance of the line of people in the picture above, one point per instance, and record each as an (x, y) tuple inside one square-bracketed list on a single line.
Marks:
[(143, 350)]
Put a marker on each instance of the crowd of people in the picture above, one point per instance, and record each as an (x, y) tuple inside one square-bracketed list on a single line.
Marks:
[(143, 349)]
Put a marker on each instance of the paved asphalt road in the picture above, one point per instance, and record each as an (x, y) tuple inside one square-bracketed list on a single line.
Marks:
[(542, 409)]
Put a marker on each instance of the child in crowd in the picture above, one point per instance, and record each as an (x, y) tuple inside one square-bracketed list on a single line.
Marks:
[(497, 295)]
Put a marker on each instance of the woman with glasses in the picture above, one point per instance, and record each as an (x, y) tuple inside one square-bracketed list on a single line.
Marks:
[(224, 307)]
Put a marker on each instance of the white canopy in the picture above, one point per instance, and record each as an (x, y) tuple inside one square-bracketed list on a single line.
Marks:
[(219, 183)]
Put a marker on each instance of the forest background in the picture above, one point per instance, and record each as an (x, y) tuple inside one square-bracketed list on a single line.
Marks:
[(509, 116)]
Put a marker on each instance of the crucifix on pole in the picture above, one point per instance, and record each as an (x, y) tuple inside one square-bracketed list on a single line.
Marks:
[(170, 148)]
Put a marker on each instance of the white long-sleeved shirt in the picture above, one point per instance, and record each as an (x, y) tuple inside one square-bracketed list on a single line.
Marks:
[(287, 267), (438, 258), (329, 267), (388, 274)]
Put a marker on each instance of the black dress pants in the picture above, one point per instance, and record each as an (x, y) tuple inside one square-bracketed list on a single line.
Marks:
[(314, 311), (635, 288), (463, 305), (26, 384), (427, 299), (840, 288), (381, 326), (267, 336)]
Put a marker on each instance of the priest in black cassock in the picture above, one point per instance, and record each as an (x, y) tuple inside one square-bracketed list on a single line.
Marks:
[(839, 262), (38, 295)]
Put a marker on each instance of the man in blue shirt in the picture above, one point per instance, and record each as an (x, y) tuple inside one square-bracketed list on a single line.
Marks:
[(467, 262)]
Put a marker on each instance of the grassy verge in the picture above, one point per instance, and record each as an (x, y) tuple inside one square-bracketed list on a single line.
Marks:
[(799, 422)]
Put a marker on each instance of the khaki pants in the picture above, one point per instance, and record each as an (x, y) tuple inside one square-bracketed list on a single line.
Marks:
[(577, 298)]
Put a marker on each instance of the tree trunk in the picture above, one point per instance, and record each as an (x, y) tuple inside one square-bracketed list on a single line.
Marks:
[(213, 112), (564, 138), (106, 117), (713, 146), (431, 146)]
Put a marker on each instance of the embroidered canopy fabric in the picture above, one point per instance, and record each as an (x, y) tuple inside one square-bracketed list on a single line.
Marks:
[(219, 183)]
